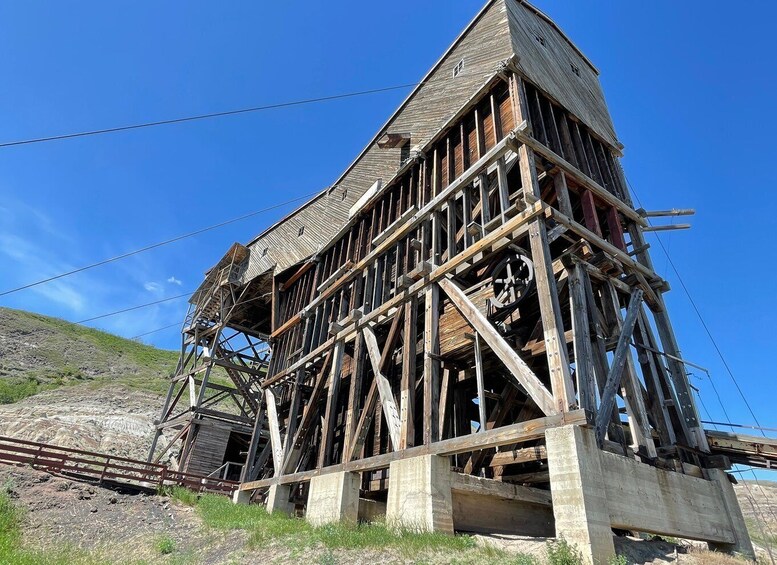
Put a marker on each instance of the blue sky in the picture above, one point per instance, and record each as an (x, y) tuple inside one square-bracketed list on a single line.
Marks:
[(689, 86)]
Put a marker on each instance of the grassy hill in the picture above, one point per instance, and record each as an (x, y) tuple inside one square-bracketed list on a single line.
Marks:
[(40, 353)]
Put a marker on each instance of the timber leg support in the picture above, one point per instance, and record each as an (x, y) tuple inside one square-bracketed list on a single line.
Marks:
[(579, 494), (278, 499), (419, 494), (333, 498), (742, 544)]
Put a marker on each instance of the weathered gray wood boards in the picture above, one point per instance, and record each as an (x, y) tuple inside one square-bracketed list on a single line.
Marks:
[(496, 276)]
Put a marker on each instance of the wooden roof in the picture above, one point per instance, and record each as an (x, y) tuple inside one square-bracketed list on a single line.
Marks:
[(503, 29)]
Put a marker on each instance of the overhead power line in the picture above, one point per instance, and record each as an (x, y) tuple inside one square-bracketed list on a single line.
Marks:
[(237, 111), (155, 245), (205, 116), (138, 307), (704, 325), (175, 324)]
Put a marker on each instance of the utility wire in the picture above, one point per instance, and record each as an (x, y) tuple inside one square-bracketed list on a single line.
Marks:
[(155, 245), (190, 119), (205, 116), (751, 499), (701, 319), (238, 111), (138, 307), (156, 330)]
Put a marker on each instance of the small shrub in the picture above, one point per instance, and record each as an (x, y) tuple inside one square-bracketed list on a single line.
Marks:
[(183, 495), (327, 558), (14, 389), (165, 545), (561, 552), (619, 560)]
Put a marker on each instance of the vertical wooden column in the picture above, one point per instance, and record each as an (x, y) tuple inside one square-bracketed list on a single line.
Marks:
[(431, 364), (354, 392), (555, 342), (327, 431), (584, 356), (677, 371), (407, 392)]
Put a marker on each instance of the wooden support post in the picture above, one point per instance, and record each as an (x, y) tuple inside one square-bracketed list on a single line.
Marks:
[(407, 393), (504, 191), (562, 193), (354, 392), (584, 357), (553, 327), (431, 364), (616, 369), (631, 387), (518, 368), (589, 212), (275, 432), (388, 404), (328, 426), (479, 378), (445, 400), (296, 400), (293, 458)]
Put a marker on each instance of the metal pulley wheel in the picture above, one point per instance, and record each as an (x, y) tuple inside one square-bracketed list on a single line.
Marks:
[(513, 279)]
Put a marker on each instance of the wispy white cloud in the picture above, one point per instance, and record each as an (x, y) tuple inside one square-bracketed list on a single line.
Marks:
[(152, 286), (33, 263), (173, 280)]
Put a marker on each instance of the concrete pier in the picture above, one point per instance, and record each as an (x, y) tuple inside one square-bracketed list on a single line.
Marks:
[(333, 498), (742, 544), (579, 493), (278, 499), (419, 494)]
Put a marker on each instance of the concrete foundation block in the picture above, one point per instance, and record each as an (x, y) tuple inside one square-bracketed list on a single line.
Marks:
[(742, 544), (419, 494), (579, 494), (278, 499), (241, 497), (333, 498)]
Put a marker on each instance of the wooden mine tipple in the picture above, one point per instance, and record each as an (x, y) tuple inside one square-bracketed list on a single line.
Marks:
[(464, 331)]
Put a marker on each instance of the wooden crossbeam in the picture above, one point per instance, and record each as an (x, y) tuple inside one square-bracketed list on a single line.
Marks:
[(616, 368), (517, 367), (293, 457), (515, 433), (388, 404), (275, 432)]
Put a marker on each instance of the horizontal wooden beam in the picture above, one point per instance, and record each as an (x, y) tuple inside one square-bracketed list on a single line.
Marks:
[(522, 137), (515, 433), (491, 487)]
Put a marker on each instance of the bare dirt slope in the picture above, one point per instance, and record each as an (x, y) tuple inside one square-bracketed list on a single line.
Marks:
[(111, 419)]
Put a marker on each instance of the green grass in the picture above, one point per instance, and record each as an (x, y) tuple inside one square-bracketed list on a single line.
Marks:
[(561, 552), (183, 495), (759, 533), (219, 512), (55, 353), (165, 545), (12, 553)]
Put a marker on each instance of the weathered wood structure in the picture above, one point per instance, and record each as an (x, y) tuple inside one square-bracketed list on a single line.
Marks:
[(466, 330)]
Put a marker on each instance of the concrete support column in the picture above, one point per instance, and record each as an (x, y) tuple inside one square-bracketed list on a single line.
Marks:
[(241, 497), (419, 494), (742, 544), (278, 499), (578, 491), (333, 497)]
